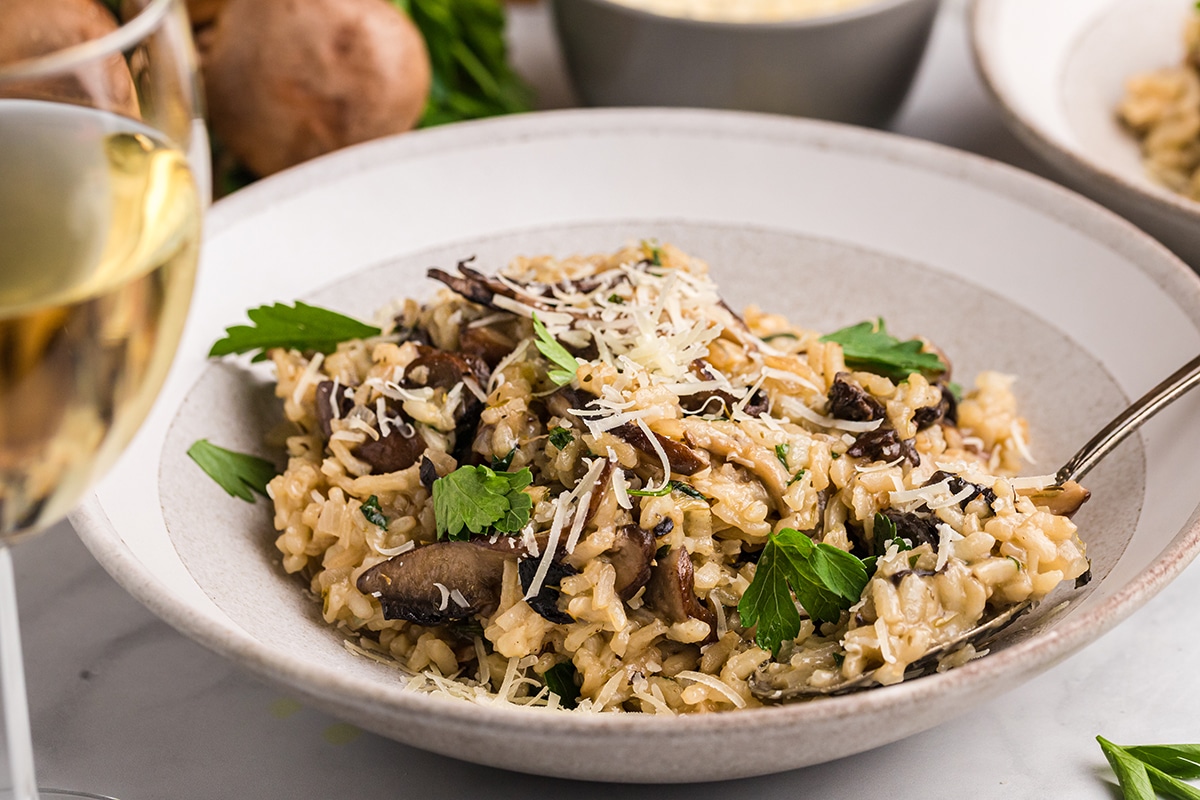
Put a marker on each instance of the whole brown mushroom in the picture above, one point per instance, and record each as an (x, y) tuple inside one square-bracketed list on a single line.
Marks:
[(32, 28), (288, 80)]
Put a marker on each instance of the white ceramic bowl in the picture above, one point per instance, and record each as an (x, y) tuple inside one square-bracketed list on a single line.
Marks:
[(1058, 70), (852, 66), (826, 223)]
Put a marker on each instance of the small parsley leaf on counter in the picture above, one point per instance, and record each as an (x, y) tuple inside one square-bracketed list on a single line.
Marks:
[(300, 327), (824, 579), (868, 346), (239, 474), (478, 499), (550, 347)]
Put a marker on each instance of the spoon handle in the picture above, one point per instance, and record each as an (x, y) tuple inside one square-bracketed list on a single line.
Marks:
[(1129, 421)]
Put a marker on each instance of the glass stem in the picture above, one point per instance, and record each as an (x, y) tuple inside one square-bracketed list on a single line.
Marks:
[(12, 676)]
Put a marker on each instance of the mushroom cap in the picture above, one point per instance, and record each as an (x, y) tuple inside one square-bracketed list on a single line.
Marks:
[(288, 80), (32, 28)]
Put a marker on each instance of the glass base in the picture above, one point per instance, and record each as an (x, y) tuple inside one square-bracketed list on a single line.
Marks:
[(59, 794)]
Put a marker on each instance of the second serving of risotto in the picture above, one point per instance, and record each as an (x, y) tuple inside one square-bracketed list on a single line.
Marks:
[(586, 482)]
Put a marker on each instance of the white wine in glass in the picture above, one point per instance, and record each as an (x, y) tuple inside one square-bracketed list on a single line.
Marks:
[(100, 209)]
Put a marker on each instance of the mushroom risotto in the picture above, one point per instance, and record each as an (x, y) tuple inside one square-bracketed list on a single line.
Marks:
[(587, 482), (1162, 108)]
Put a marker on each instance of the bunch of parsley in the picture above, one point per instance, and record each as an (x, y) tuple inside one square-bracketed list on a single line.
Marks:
[(469, 57)]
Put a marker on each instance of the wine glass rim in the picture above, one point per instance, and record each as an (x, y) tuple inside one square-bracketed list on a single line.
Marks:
[(117, 41)]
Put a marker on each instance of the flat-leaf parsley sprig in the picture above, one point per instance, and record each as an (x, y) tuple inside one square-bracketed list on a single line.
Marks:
[(1143, 770), (824, 579), (239, 474), (478, 499), (300, 327), (869, 347)]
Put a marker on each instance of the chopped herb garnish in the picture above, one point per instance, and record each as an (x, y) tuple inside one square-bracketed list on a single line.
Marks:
[(550, 347), (672, 486), (654, 252), (770, 337), (502, 464), (781, 452), (560, 679), (239, 474), (374, 514), (886, 534), (1015, 561), (561, 437), (825, 580), (617, 299), (478, 499), (300, 327), (799, 474), (869, 347), (956, 390)]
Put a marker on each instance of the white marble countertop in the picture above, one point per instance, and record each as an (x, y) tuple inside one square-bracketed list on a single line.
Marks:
[(124, 705)]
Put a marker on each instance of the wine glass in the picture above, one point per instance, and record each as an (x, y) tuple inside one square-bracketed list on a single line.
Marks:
[(103, 178)]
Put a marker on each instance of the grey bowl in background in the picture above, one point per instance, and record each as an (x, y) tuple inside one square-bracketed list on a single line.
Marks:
[(855, 66)]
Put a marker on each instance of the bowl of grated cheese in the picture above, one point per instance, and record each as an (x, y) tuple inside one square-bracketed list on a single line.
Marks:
[(843, 60)]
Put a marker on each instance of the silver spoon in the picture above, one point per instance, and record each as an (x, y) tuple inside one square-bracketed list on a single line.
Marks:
[(766, 686)]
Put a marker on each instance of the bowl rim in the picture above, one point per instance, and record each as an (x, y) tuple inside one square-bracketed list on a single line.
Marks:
[(868, 9), (1019, 661), (1065, 158)]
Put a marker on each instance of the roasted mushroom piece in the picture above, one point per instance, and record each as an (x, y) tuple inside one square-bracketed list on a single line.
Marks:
[(672, 590), (681, 458), (630, 556), (849, 401), (331, 406), (438, 583), (545, 600), (399, 448), (883, 444)]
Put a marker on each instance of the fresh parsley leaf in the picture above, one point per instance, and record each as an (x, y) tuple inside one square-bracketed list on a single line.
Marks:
[(1179, 760), (824, 579), (1171, 786), (767, 603), (548, 346), (781, 452), (956, 389), (502, 464), (374, 514), (561, 437), (1131, 773), (302, 327), (238, 474), (477, 499), (560, 679), (869, 347)]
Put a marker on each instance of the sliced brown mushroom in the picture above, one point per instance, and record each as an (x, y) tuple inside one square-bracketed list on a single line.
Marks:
[(630, 556), (326, 403), (398, 449), (731, 442), (486, 343), (713, 401), (883, 444), (681, 458), (482, 289), (1062, 500), (443, 370), (672, 590), (849, 401), (438, 583)]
